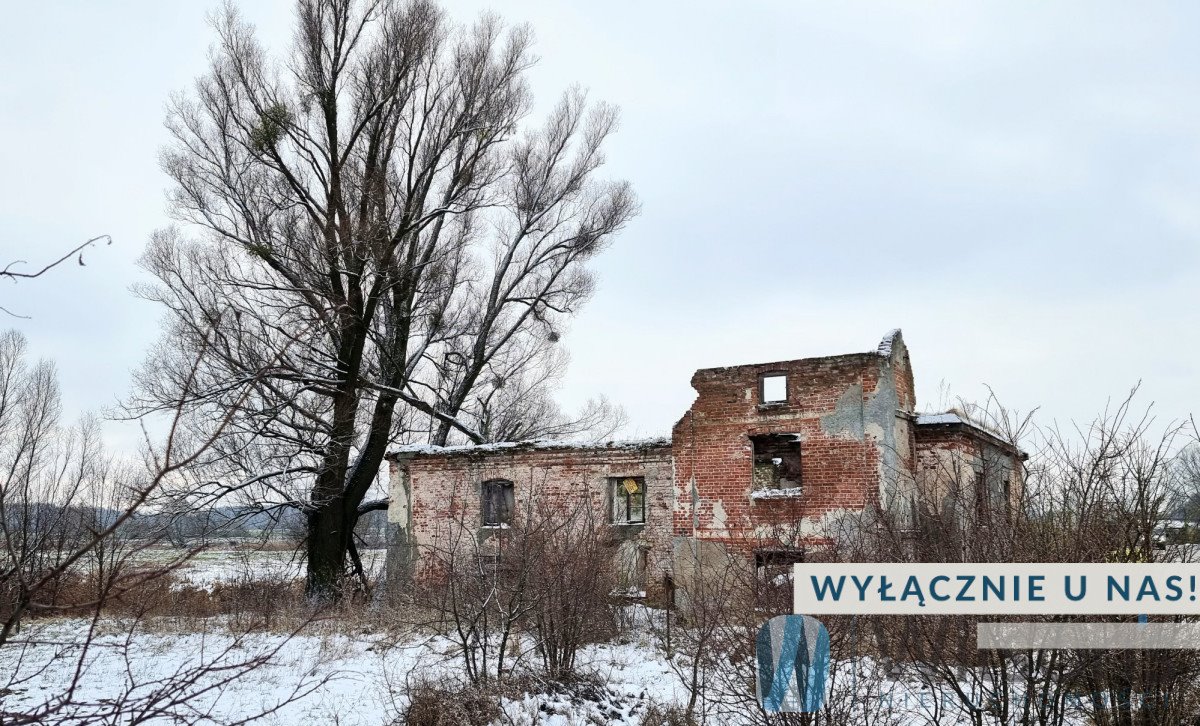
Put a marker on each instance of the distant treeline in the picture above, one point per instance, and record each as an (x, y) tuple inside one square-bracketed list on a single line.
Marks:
[(186, 528)]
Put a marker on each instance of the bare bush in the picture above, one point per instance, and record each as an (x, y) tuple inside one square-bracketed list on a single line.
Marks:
[(440, 705), (1097, 494), (658, 715), (541, 584), (65, 549), (1094, 493)]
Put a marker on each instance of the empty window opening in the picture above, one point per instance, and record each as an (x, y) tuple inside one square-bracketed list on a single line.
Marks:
[(1006, 492), (628, 499), (776, 461), (773, 388), (982, 498), (773, 577), (497, 504)]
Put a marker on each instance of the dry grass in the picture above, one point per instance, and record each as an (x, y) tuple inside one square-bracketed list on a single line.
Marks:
[(659, 715), (433, 705), (249, 599)]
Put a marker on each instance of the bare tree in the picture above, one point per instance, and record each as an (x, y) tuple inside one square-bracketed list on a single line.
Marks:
[(1089, 493), (517, 403), (372, 204)]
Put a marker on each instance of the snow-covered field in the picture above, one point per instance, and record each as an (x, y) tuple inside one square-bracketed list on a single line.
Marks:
[(213, 565), (354, 680), (361, 678), (347, 673), (355, 671)]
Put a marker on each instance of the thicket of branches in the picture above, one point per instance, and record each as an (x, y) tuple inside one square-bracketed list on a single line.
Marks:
[(66, 549), (526, 597), (1099, 492)]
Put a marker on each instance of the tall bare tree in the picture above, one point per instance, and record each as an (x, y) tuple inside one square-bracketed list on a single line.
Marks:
[(369, 211)]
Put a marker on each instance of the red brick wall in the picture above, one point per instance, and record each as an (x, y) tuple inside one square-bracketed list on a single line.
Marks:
[(832, 405), (851, 413), (446, 488)]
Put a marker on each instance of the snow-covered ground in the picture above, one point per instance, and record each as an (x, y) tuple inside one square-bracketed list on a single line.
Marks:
[(228, 565), (356, 671), (360, 677), (338, 672), (354, 680)]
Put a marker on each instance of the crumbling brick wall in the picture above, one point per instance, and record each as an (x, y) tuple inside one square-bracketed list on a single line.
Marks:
[(743, 470), (958, 465), (448, 489), (851, 415)]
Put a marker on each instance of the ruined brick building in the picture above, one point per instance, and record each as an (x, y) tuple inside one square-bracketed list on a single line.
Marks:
[(765, 461)]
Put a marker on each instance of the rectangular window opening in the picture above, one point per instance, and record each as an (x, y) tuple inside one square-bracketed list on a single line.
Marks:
[(631, 569), (776, 461), (628, 499), (773, 575), (982, 497), (497, 503), (1006, 492), (773, 388)]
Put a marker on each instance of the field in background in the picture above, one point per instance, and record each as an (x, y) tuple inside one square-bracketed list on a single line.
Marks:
[(228, 563)]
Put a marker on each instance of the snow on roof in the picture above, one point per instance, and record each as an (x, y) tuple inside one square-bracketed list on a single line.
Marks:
[(949, 417), (930, 419), (536, 444), (885, 345)]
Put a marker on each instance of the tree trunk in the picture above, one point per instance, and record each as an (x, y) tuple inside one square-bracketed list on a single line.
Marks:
[(328, 543)]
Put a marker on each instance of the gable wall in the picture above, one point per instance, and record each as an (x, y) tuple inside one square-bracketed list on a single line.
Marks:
[(850, 414)]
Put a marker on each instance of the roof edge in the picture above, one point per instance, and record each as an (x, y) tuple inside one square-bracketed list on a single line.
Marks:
[(512, 447), (954, 421)]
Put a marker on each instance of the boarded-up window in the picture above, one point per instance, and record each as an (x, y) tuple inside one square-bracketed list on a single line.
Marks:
[(631, 569), (497, 502)]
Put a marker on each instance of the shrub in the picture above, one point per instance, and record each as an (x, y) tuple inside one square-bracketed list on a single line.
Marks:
[(657, 715), (434, 705)]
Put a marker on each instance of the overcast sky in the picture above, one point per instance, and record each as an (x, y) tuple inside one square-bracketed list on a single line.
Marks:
[(1016, 185)]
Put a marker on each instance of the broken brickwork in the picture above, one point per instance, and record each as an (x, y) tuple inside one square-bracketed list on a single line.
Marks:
[(765, 460)]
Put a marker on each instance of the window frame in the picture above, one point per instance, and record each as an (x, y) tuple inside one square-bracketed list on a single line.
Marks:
[(487, 503), (771, 563), (617, 493)]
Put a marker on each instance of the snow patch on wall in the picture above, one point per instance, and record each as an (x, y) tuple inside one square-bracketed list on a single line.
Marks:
[(792, 493), (931, 419), (885, 345)]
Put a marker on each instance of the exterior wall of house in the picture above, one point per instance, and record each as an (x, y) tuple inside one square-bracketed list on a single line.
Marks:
[(852, 416), (547, 480), (965, 472), (740, 474)]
